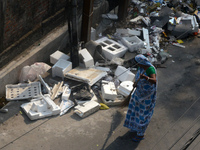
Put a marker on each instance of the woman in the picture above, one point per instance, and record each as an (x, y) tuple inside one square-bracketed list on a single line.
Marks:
[(142, 102)]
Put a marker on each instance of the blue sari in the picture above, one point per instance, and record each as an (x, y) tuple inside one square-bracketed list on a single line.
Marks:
[(141, 105)]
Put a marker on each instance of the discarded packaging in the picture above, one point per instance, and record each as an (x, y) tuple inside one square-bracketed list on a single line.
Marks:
[(111, 49), (30, 73), (61, 67), (125, 88), (41, 108), (133, 43), (58, 55), (46, 86), (87, 109), (85, 59), (66, 92), (90, 75), (178, 45), (124, 74), (23, 91), (108, 90), (65, 106)]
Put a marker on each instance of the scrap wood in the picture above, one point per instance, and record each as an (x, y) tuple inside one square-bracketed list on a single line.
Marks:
[(56, 89)]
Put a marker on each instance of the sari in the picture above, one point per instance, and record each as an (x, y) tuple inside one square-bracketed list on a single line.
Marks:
[(142, 102)]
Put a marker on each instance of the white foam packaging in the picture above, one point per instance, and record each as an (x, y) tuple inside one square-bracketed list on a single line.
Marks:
[(125, 88), (61, 67), (41, 108), (111, 49), (124, 74), (108, 90), (58, 55)]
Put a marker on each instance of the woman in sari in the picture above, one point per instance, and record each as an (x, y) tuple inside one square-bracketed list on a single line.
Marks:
[(142, 102)]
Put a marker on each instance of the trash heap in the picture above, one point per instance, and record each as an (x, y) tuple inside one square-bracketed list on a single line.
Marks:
[(106, 70)]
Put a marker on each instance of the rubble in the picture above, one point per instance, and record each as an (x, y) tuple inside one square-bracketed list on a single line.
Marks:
[(111, 49), (87, 109), (58, 55), (61, 67), (125, 88), (40, 108), (65, 105), (108, 90), (90, 76), (124, 74), (106, 70), (23, 91), (86, 60)]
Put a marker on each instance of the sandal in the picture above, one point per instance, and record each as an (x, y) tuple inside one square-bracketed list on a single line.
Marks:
[(137, 139)]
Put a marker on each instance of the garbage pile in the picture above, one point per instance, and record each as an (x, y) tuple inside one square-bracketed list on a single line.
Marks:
[(106, 70)]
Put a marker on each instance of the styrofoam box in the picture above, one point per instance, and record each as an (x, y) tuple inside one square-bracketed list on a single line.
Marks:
[(133, 43), (87, 108), (58, 55), (87, 58), (43, 107), (124, 74), (146, 37), (111, 49), (61, 67), (108, 90), (125, 88), (23, 91)]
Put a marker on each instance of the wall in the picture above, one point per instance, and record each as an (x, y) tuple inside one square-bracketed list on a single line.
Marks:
[(21, 16), (22, 22)]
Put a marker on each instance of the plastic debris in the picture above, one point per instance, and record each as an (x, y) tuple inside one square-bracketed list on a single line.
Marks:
[(103, 106), (65, 106)]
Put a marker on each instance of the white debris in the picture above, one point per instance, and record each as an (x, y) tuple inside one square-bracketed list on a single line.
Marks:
[(124, 74), (85, 58), (125, 88), (41, 108), (66, 92), (65, 106), (133, 43), (58, 55), (111, 49), (90, 75), (178, 45), (46, 86), (23, 91), (108, 90), (61, 67), (87, 109)]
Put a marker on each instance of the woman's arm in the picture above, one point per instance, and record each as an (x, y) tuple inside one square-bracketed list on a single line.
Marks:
[(151, 79)]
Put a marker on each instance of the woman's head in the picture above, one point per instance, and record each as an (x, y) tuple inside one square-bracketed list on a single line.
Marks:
[(142, 61)]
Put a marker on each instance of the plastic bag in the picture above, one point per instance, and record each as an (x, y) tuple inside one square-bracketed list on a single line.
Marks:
[(32, 72)]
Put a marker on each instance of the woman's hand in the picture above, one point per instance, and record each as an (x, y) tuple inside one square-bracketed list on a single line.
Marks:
[(151, 79), (134, 84), (142, 76)]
